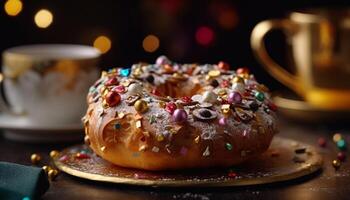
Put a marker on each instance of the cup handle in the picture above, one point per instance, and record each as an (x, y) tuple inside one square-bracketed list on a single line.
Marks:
[(4, 107), (258, 45)]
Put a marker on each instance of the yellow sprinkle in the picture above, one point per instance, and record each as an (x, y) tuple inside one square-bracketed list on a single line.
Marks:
[(138, 124), (142, 148), (196, 140), (214, 73), (160, 137), (104, 73), (225, 108), (237, 79), (222, 92), (104, 103), (337, 137), (121, 115), (161, 104), (103, 148), (244, 75)]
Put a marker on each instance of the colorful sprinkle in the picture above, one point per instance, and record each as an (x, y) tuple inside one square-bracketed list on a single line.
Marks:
[(179, 116), (228, 146), (341, 144), (242, 70), (223, 66), (125, 72), (170, 107), (112, 81), (152, 119), (336, 164), (337, 137), (112, 98), (155, 149), (341, 156), (234, 97), (82, 156), (260, 96), (206, 152), (141, 106), (223, 121), (322, 142), (232, 174)]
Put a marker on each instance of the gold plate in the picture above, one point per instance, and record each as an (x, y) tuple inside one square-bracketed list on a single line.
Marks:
[(279, 163), (294, 107)]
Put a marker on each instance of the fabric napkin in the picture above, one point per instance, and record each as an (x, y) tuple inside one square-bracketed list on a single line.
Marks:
[(22, 182)]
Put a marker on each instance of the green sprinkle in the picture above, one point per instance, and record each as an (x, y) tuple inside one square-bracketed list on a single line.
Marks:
[(228, 146), (152, 119), (260, 96), (341, 144)]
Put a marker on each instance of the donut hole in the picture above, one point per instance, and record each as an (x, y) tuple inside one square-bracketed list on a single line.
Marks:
[(176, 89)]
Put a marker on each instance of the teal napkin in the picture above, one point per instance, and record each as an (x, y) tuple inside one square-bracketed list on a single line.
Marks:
[(22, 182)]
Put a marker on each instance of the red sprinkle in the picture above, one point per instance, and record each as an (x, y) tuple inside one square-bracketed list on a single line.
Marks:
[(341, 156), (170, 107), (223, 66), (232, 175), (119, 89), (242, 70), (155, 92), (186, 99), (225, 83), (272, 106), (113, 98), (322, 142), (81, 156), (112, 81), (64, 158)]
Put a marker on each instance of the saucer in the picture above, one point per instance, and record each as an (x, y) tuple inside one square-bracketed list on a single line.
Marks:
[(294, 107), (281, 162), (20, 128)]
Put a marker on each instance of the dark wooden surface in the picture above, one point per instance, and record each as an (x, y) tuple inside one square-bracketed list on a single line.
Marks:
[(326, 184)]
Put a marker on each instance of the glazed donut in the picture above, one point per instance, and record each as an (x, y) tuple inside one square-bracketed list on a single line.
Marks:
[(174, 116)]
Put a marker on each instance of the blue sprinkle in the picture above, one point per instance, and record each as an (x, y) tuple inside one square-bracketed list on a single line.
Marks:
[(117, 126), (84, 151), (125, 72), (25, 198)]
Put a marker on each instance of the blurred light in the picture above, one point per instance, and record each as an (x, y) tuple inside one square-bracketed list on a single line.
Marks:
[(228, 19), (150, 43), (103, 43), (13, 7), (43, 18), (204, 35)]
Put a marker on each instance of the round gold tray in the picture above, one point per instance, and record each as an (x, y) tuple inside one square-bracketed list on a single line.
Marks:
[(285, 160)]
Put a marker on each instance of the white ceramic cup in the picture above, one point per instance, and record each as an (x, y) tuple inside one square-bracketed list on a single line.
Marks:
[(48, 83)]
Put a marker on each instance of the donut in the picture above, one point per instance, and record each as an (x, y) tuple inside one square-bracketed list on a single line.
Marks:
[(171, 116)]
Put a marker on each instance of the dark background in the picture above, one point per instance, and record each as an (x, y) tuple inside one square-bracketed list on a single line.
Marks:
[(174, 22)]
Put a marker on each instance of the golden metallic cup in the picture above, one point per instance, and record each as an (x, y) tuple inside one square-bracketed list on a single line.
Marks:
[(320, 50)]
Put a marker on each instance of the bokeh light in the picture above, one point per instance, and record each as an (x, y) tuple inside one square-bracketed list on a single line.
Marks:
[(150, 43), (204, 35), (103, 43), (43, 18), (13, 7), (228, 19)]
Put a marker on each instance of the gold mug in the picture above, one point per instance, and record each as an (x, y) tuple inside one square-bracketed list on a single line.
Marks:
[(320, 48)]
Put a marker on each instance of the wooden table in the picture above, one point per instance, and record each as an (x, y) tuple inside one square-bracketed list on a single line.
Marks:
[(326, 184)]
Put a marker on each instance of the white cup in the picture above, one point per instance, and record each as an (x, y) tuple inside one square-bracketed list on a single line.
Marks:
[(48, 83)]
